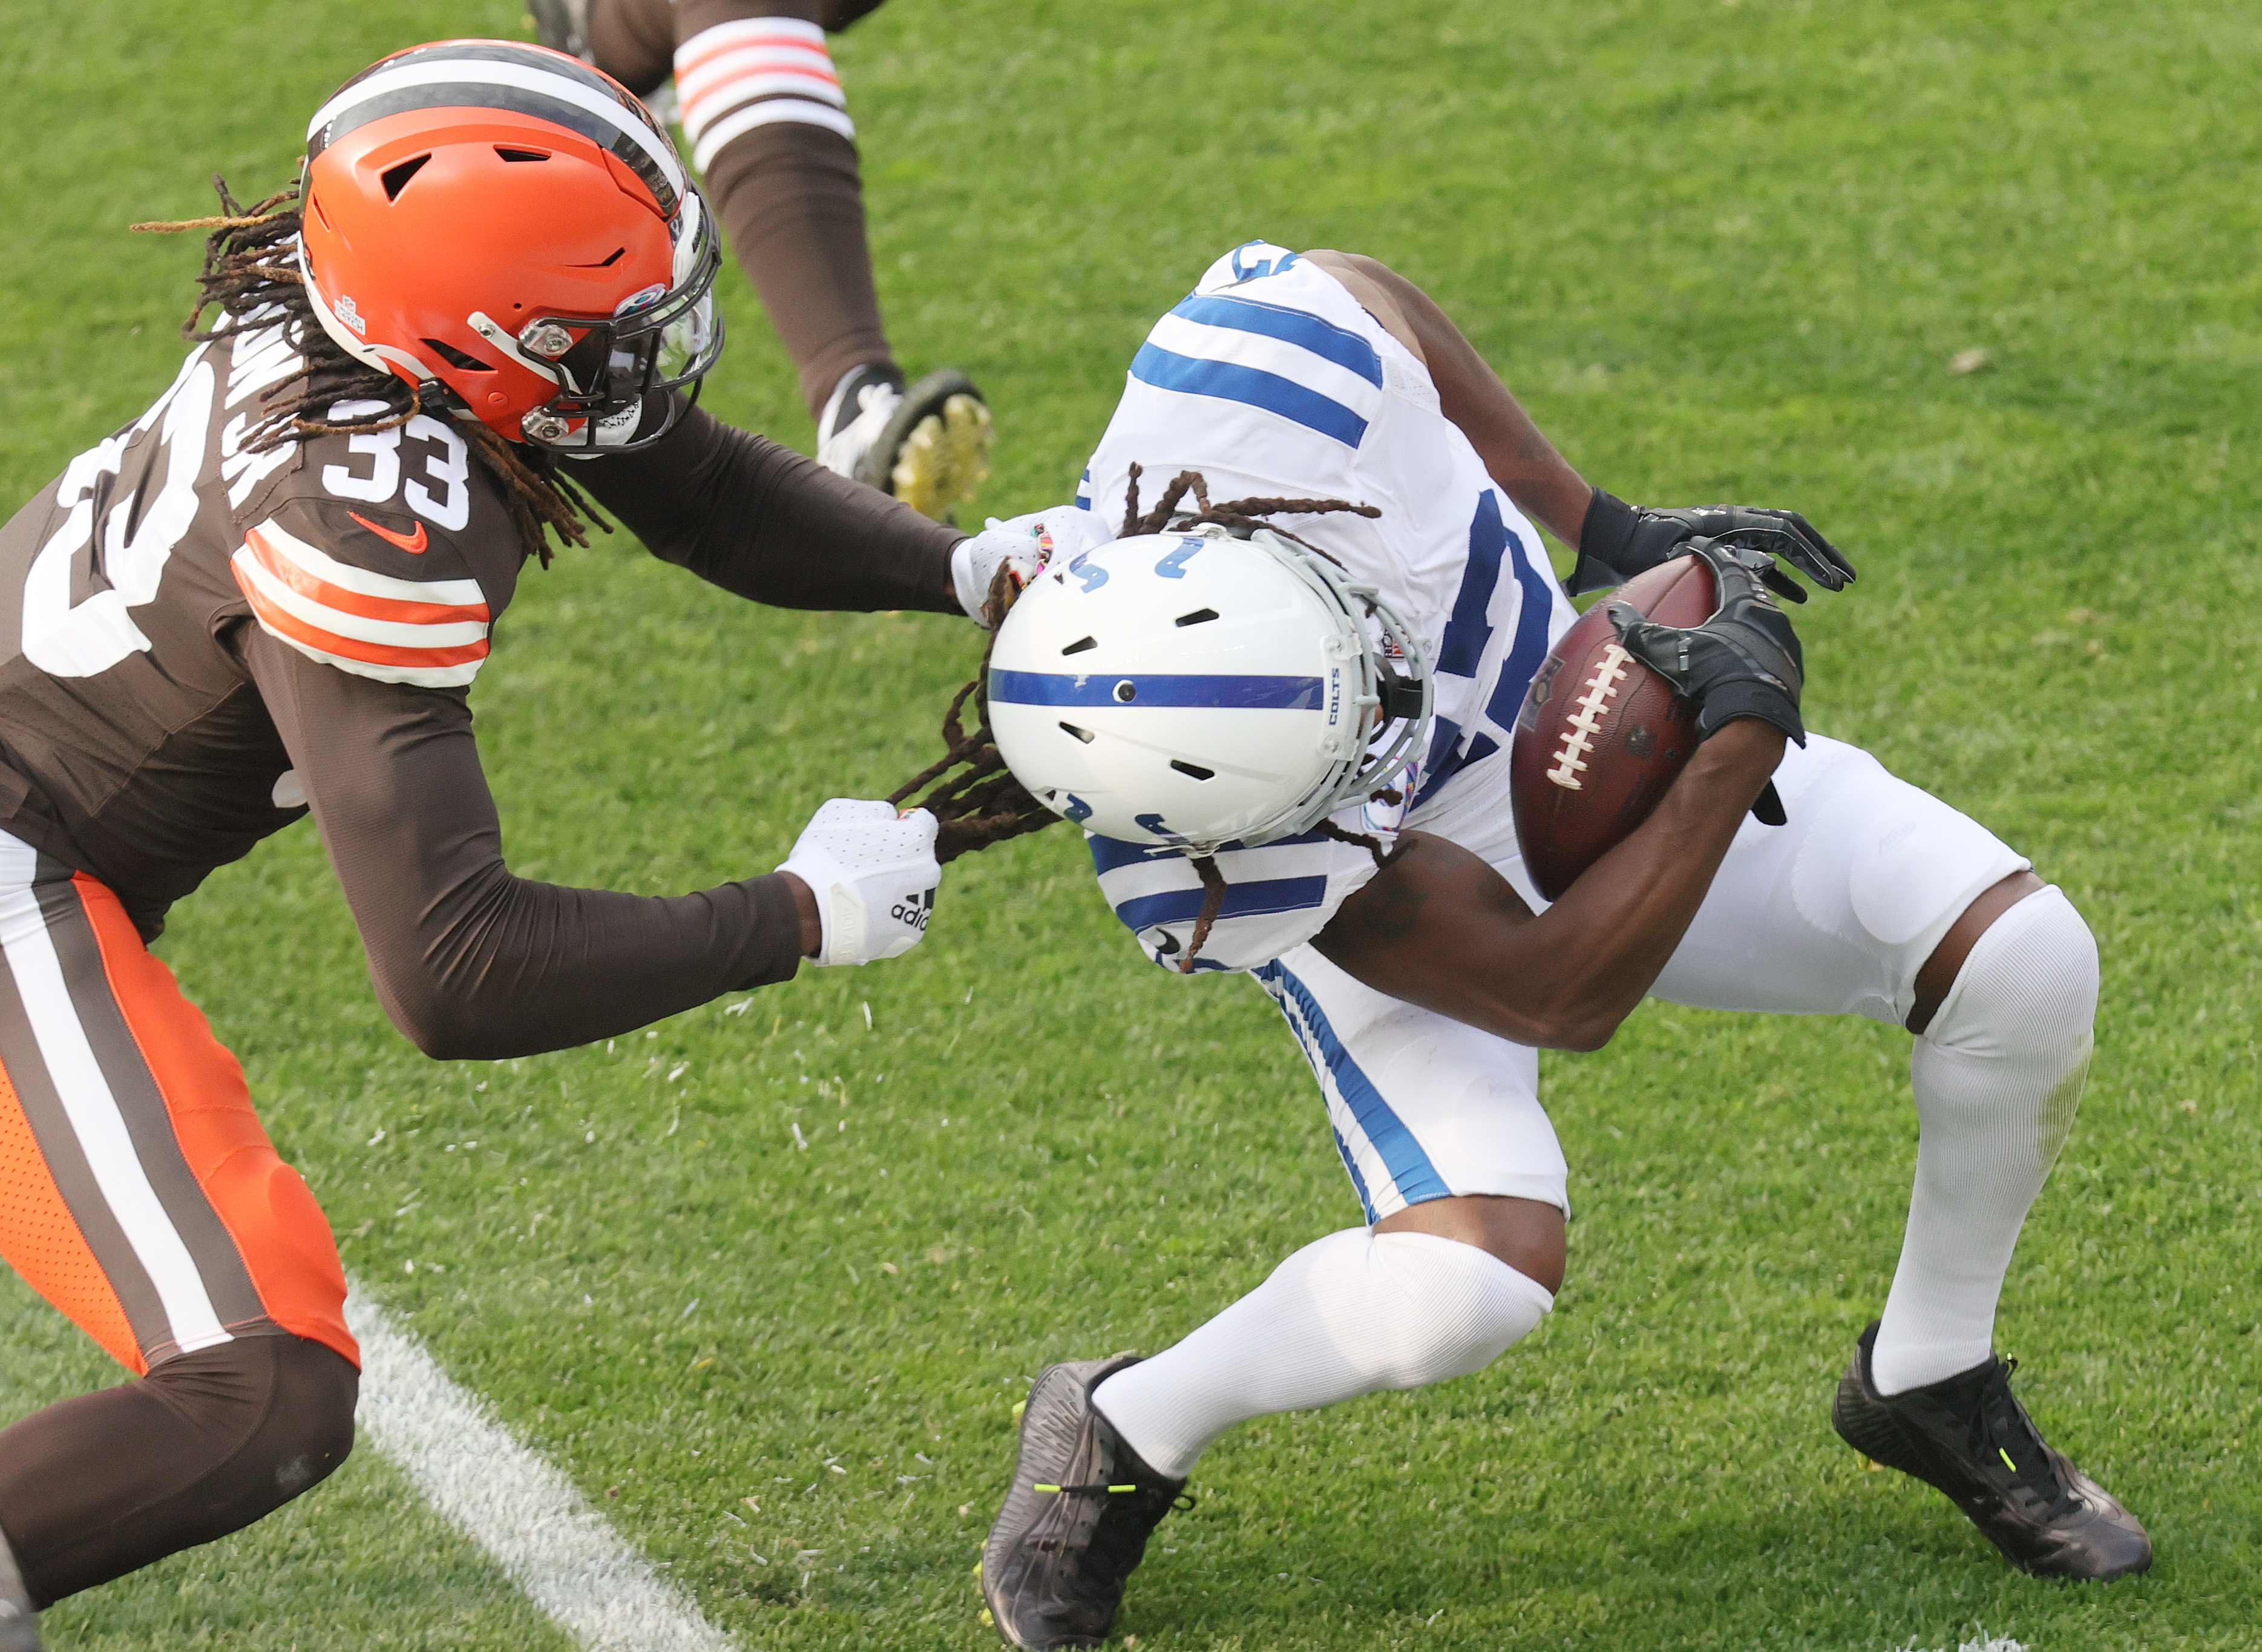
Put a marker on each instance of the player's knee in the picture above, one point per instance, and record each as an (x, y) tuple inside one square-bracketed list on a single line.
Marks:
[(1452, 1309), (2027, 989), (313, 1428), (277, 1413)]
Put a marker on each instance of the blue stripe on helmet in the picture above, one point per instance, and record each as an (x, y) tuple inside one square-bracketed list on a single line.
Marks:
[(1228, 381), (1301, 328), (1096, 688)]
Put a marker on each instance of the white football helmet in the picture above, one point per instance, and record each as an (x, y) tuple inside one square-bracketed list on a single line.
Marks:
[(1191, 689)]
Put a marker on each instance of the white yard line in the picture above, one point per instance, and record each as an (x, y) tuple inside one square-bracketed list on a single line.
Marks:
[(509, 1500), (1985, 1643)]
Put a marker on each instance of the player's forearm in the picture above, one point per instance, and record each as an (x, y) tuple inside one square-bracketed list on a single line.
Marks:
[(508, 967), (1440, 928), (1617, 926), (768, 524), (471, 962)]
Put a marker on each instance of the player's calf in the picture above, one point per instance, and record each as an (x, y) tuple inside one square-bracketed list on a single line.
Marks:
[(1998, 1070)]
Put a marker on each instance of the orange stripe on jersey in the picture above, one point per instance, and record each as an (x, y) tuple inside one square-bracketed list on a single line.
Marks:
[(43, 1242), (386, 607), (290, 626), (264, 1204)]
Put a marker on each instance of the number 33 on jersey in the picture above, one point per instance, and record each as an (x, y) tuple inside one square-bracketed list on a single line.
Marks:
[(384, 553)]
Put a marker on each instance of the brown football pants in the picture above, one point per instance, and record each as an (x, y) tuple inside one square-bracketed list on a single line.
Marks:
[(787, 191), (139, 1194)]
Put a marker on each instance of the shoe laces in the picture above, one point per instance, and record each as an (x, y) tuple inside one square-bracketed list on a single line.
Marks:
[(2001, 1430)]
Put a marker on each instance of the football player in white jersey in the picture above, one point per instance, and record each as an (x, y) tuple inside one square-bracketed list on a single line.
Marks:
[(1422, 972)]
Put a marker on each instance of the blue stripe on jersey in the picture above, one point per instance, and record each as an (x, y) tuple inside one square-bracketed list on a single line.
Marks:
[(1415, 1178), (1299, 328), (1228, 381), (1242, 900), (1489, 540), (1112, 855), (1151, 688), (1083, 490), (1470, 628), (1358, 1181)]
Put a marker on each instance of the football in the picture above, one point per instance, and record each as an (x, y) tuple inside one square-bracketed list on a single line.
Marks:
[(1600, 735)]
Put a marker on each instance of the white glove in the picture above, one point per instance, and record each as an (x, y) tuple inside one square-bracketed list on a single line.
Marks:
[(874, 873), (1022, 546)]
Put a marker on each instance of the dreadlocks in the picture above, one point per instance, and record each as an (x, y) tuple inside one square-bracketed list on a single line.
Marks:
[(1247, 514), (249, 273), (982, 803), (985, 804)]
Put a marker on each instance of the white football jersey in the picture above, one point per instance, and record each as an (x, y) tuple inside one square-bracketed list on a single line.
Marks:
[(1273, 382)]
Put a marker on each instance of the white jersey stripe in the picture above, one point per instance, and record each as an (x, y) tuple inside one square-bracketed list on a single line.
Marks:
[(748, 30), (700, 112), (448, 593), (813, 69), (1292, 362), (742, 120), (390, 633), (455, 71), (455, 676), (95, 1117)]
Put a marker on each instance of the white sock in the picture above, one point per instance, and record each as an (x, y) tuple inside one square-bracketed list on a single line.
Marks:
[(1346, 1316), (1997, 1075)]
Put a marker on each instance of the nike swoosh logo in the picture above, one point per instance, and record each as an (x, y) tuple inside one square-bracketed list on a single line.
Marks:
[(414, 543)]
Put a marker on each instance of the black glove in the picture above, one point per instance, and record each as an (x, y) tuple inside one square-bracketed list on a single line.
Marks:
[(1744, 661), (1619, 540)]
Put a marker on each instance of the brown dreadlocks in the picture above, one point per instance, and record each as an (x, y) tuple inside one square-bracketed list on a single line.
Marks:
[(251, 273), (985, 804)]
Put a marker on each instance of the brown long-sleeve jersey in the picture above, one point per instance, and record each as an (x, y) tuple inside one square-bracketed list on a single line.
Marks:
[(199, 645)]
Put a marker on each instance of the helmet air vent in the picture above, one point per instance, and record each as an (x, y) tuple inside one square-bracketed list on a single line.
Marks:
[(395, 178), (509, 153), (1127, 691), (1083, 734), (1080, 644), (1200, 616), (455, 358), (1195, 769)]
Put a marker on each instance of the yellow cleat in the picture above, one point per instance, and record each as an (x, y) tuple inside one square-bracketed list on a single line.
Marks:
[(935, 449)]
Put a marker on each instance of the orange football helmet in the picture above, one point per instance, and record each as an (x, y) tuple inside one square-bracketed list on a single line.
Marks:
[(511, 231)]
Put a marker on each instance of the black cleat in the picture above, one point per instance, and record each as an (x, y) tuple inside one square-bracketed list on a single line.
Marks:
[(1077, 1518), (1968, 1437)]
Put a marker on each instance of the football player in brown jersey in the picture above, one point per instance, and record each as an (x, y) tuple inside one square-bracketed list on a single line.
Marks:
[(769, 129), (267, 598)]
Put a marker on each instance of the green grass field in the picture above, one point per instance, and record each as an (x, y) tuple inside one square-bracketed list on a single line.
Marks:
[(1725, 249)]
